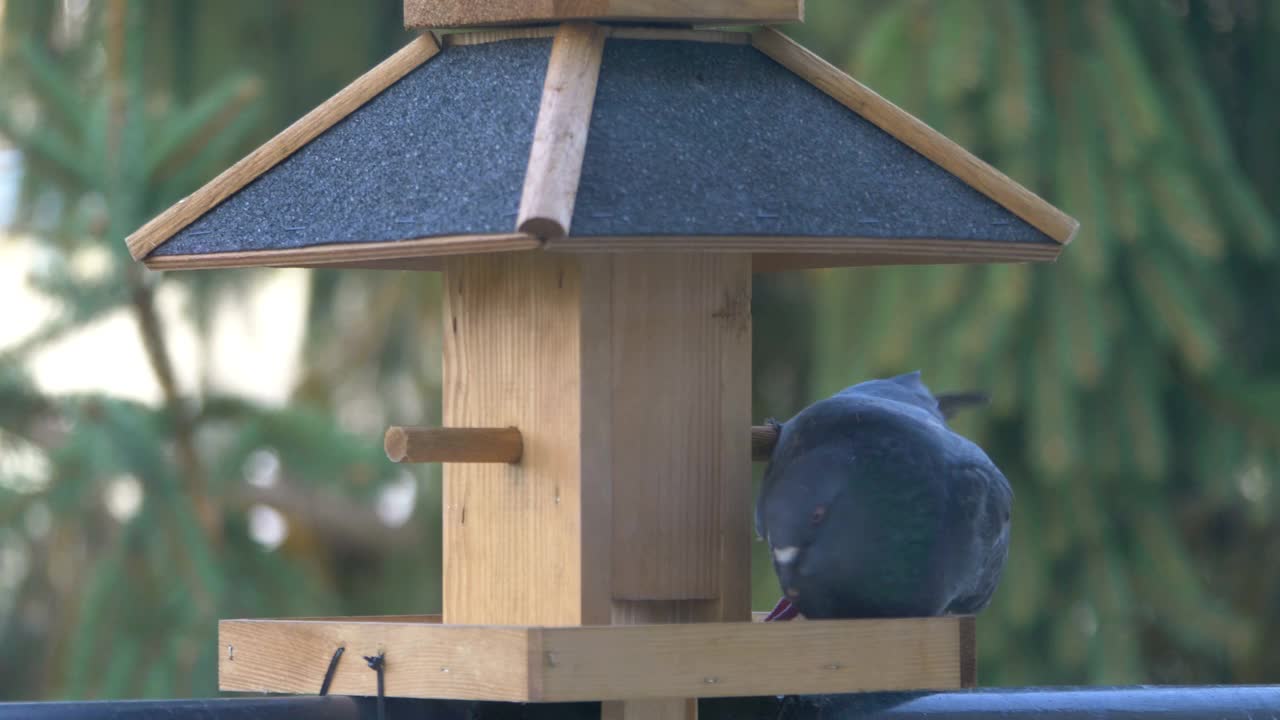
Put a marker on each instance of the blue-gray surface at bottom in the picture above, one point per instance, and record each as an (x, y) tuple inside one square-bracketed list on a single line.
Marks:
[(1166, 703)]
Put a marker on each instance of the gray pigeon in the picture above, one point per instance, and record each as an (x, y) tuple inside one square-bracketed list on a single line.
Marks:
[(873, 507)]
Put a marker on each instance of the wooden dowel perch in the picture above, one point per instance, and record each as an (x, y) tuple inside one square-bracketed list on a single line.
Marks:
[(499, 445), (763, 438), (462, 445)]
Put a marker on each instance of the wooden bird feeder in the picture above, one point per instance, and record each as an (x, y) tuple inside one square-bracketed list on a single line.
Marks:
[(598, 192)]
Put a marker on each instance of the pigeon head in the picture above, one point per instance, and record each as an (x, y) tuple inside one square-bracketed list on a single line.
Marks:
[(798, 519)]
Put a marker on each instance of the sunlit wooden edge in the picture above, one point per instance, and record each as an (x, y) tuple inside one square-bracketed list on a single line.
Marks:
[(771, 254), (397, 254), (464, 38)]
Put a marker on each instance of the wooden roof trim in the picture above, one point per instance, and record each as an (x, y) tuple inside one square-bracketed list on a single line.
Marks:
[(725, 37), (917, 135), (769, 254), (824, 250), (483, 37), (783, 262), (349, 254), (433, 263), (472, 13), (168, 223), (560, 134)]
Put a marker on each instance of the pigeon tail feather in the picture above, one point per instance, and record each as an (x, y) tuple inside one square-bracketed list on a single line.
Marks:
[(952, 402)]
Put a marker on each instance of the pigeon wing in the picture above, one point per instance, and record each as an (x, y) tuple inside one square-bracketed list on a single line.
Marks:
[(982, 501)]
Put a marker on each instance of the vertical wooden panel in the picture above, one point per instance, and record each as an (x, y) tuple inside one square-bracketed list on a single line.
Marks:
[(680, 359), (596, 408), (734, 468), (513, 533), (681, 330)]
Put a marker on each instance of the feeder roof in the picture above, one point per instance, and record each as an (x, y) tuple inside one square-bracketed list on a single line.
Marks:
[(694, 140)]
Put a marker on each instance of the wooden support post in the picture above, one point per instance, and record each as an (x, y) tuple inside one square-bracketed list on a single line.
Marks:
[(629, 378)]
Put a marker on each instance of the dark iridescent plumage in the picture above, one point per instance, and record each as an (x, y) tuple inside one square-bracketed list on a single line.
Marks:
[(874, 507)]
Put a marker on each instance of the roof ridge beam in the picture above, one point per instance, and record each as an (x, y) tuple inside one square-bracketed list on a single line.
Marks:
[(560, 135)]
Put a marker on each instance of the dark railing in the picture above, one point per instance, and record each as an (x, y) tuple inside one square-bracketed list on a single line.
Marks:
[(1136, 703)]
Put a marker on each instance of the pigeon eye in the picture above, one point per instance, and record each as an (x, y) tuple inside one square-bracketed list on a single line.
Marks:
[(819, 514)]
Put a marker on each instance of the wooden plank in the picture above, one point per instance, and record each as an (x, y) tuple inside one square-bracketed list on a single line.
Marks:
[(595, 407), (800, 244), (428, 619), (773, 254), (681, 34), (431, 263), (463, 13), (736, 502), (446, 444), (770, 254), (681, 333), (514, 550), (917, 135), (560, 134), (326, 115), (743, 659), (395, 254), (780, 262), (968, 652), (482, 37), (611, 663), (423, 659)]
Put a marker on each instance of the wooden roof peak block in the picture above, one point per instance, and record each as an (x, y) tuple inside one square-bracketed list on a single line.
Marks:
[(584, 137), (478, 13)]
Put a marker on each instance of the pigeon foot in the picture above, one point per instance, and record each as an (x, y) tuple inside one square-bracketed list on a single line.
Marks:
[(784, 610)]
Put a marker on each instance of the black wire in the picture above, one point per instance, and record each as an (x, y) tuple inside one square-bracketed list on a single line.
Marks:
[(378, 663), (328, 674)]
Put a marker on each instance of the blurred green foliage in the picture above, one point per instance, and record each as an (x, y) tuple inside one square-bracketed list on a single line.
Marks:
[(1136, 382)]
